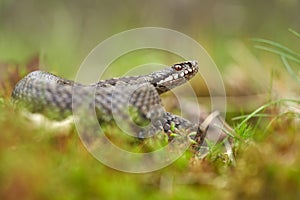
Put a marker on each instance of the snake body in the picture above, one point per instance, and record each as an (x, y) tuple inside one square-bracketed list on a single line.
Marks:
[(42, 92)]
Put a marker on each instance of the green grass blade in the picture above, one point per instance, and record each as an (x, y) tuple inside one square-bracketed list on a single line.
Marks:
[(289, 69), (277, 45), (277, 52), (295, 33), (257, 115)]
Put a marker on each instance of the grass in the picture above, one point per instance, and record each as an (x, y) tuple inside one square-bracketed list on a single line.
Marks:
[(37, 163)]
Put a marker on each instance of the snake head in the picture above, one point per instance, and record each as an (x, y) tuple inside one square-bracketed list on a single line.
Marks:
[(174, 76), (186, 69)]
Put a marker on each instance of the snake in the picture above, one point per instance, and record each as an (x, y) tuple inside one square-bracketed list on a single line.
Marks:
[(44, 92)]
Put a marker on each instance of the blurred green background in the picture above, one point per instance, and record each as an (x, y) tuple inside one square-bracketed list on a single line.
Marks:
[(62, 33), (38, 163)]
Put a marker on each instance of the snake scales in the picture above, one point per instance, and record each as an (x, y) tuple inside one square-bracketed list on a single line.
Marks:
[(43, 92)]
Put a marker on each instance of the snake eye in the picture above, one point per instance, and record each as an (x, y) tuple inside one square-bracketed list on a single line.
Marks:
[(177, 67)]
